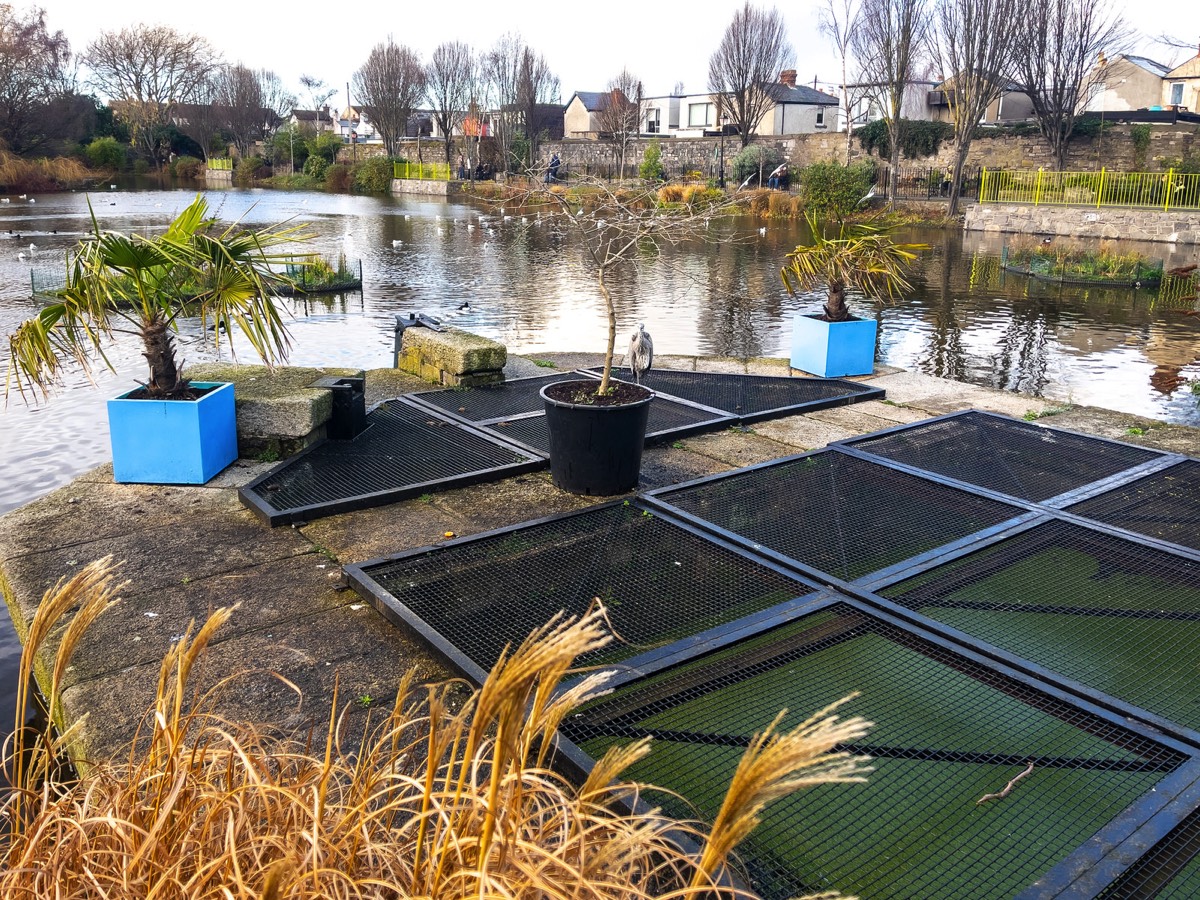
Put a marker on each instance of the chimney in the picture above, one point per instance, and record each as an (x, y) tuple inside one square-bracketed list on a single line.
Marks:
[(788, 77)]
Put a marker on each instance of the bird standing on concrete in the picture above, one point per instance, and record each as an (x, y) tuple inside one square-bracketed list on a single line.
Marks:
[(641, 352)]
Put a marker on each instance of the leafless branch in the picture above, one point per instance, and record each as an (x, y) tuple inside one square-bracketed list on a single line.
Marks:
[(448, 85), (752, 53), (390, 84), (619, 116)]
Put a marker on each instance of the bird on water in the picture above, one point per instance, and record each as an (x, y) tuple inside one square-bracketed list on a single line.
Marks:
[(641, 352)]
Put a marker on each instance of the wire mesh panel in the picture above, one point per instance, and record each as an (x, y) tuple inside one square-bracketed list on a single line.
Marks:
[(752, 396), (659, 582), (1171, 871), (947, 734), (1116, 616), (844, 516), (1005, 455), (1165, 505), (488, 403), (405, 451)]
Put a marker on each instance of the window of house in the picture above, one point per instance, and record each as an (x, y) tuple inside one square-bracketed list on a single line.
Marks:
[(820, 117), (698, 115), (652, 121), (1177, 93)]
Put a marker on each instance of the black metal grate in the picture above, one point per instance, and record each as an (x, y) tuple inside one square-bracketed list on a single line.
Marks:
[(1116, 616), (405, 451), (946, 733), (844, 516), (1165, 505), (1170, 871), (752, 396), (489, 403), (1005, 455), (658, 581)]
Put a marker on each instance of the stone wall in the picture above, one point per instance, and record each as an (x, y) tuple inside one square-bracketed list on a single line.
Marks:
[(1087, 222), (1114, 149)]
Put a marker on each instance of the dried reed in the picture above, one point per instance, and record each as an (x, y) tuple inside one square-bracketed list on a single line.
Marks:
[(442, 798)]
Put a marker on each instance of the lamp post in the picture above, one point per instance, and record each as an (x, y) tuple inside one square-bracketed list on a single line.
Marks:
[(721, 128)]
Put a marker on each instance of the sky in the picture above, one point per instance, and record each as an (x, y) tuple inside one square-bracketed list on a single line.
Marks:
[(585, 44)]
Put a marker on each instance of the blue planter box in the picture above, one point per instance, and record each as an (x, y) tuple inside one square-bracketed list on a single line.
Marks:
[(173, 441), (833, 349)]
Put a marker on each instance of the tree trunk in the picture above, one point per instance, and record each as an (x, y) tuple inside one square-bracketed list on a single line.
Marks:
[(960, 161), (612, 333), (160, 355), (894, 171), (835, 303)]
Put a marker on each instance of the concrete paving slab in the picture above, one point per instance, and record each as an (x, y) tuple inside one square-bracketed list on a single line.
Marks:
[(890, 412), (1126, 427), (802, 433), (736, 448), (938, 396), (208, 533), (149, 623), (666, 464), (853, 419), (353, 642)]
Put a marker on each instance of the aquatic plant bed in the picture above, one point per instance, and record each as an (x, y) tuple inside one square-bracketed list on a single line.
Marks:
[(407, 450), (437, 440), (1055, 262), (999, 638)]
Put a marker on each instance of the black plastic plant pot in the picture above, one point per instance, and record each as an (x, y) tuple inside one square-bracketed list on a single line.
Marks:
[(596, 450)]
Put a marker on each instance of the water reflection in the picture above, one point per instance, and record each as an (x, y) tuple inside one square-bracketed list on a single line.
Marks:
[(528, 286)]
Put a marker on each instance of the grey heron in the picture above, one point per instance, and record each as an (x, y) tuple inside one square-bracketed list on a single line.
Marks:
[(641, 352)]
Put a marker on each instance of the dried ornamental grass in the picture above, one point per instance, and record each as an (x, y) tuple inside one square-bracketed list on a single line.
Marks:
[(443, 798)]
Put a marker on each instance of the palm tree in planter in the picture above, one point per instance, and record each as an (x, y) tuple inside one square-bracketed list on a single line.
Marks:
[(598, 428), (169, 430), (862, 257)]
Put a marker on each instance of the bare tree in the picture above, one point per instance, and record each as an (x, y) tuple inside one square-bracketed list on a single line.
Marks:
[(519, 83), (973, 45), (838, 20), (250, 103), (752, 53), (1058, 45), (619, 116), (318, 92), (34, 73), (448, 85), (888, 42), (391, 83), (146, 70)]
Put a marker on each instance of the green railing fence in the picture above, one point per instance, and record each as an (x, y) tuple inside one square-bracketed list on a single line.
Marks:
[(1147, 190), (221, 165), (422, 171)]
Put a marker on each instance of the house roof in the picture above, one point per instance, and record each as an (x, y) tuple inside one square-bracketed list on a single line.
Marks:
[(593, 101), (786, 93), (1149, 65), (310, 115), (1190, 69)]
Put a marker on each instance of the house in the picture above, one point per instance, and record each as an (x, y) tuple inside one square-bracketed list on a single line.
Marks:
[(582, 114), (1122, 83), (1181, 86), (869, 97), (354, 126), (797, 108), (314, 121), (1013, 104), (697, 114), (660, 115)]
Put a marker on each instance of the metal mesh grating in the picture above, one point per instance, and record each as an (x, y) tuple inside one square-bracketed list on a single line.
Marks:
[(838, 514), (1119, 617), (1015, 458), (946, 733), (1171, 871), (658, 581), (405, 450), (750, 395), (488, 403), (1164, 505)]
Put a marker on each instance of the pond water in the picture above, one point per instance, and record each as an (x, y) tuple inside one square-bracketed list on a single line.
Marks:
[(528, 287)]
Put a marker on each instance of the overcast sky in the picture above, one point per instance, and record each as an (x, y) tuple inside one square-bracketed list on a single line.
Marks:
[(586, 44)]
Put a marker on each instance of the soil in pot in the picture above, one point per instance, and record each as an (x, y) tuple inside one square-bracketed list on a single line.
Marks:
[(620, 393)]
